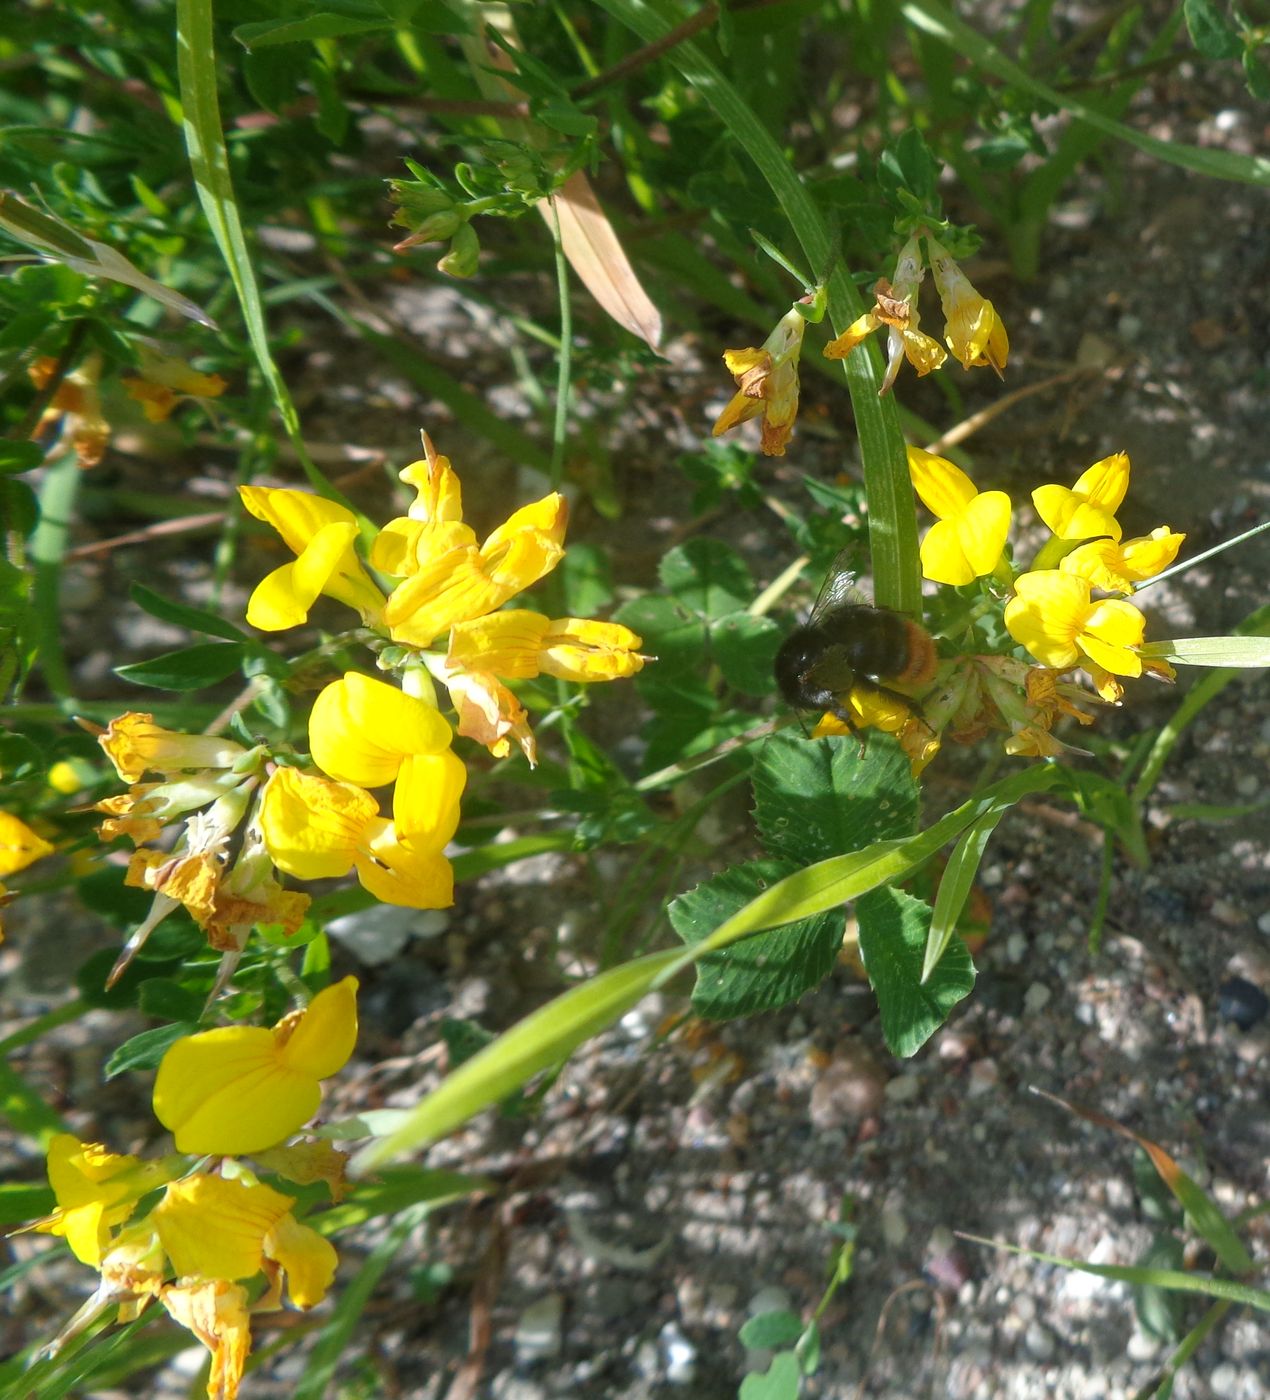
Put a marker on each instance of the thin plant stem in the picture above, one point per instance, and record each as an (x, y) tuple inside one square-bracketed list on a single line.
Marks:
[(1207, 554), (565, 360)]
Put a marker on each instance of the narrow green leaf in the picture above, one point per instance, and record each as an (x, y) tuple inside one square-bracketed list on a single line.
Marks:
[(893, 938), (541, 1040), (1211, 651), (1209, 30), (955, 886), (191, 668), (263, 32), (209, 162), (20, 1202), (181, 615), (393, 1189), (1154, 1278), (937, 20)]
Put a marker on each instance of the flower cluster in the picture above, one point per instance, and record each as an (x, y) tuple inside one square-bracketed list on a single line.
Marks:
[(214, 820), (216, 1226), (767, 376), (1057, 611)]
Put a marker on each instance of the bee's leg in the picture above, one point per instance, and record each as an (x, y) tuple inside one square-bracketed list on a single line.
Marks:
[(840, 712)]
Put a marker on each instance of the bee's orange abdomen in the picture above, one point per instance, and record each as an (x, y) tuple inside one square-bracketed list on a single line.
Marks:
[(922, 660)]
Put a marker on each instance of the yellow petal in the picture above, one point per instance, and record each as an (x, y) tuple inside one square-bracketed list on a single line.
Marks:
[(360, 729), (216, 1312), (1046, 615), (548, 517), (489, 713), (580, 649), (1070, 516), (311, 826), (228, 1092), (855, 334), (740, 409), (945, 490), (1112, 627), (396, 873), (19, 845), (508, 643), (425, 802), (1105, 483), (136, 745), (438, 495), (741, 363), (943, 557), (922, 351), (1149, 555), (324, 1033), (213, 1227), (982, 528), (308, 1259)]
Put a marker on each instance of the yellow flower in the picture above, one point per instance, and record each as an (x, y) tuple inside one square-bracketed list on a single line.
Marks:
[(164, 379), (463, 582), (973, 330), (317, 829), (870, 708), (518, 644), (767, 384), (489, 713), (240, 1089), (1088, 508), (19, 845), (77, 397), (1115, 568), (136, 745), (966, 541), (95, 1190), (321, 534), (1053, 616), (895, 308)]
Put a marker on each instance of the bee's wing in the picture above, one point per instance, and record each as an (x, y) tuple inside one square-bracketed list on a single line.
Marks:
[(838, 587)]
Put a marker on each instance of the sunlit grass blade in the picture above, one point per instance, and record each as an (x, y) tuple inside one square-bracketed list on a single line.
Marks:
[(1202, 1210), (1143, 1277), (541, 1040), (1242, 652), (209, 162), (955, 886)]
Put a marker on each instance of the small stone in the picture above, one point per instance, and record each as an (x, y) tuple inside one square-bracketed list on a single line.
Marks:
[(903, 1088), (1141, 1347), (1036, 998), (1016, 948), (1263, 923), (679, 1354), (1227, 913), (955, 1046), (849, 1090), (1240, 1001), (1224, 1379), (1039, 1342), (945, 1263), (894, 1225), (982, 1078), (538, 1334), (1246, 784)]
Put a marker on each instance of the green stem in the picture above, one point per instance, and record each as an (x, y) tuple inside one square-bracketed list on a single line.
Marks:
[(48, 549), (892, 515), (564, 361)]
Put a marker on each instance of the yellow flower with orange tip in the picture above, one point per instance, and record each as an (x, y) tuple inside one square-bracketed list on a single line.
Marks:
[(1053, 615), (95, 1191), (443, 585), (321, 534), (164, 380), (240, 1089), (1088, 508), (317, 829), (216, 1312), (489, 712), (1116, 567), (871, 708), (895, 307), (78, 397), (973, 330), (970, 533), (136, 746), (767, 384)]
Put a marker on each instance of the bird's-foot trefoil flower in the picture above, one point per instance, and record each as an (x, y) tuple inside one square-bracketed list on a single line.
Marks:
[(241, 1089), (164, 380), (77, 399), (767, 384), (1053, 615), (1117, 566), (972, 328), (971, 528), (1089, 507), (895, 307)]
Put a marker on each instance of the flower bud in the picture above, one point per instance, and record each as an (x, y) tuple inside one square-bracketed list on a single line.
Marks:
[(464, 254)]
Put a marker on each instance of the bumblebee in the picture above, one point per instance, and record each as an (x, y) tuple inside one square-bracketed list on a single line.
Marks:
[(847, 642)]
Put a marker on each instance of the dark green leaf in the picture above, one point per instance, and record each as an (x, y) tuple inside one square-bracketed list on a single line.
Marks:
[(18, 456), (1256, 75), (144, 1051), (1210, 31), (707, 577), (1160, 1311), (758, 973), (770, 1330), (816, 798), (182, 615), (191, 668), (166, 999), (745, 648), (893, 929), (324, 25), (20, 1202), (587, 578), (671, 634)]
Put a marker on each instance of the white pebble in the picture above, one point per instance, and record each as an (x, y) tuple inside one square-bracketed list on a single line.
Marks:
[(1036, 998)]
